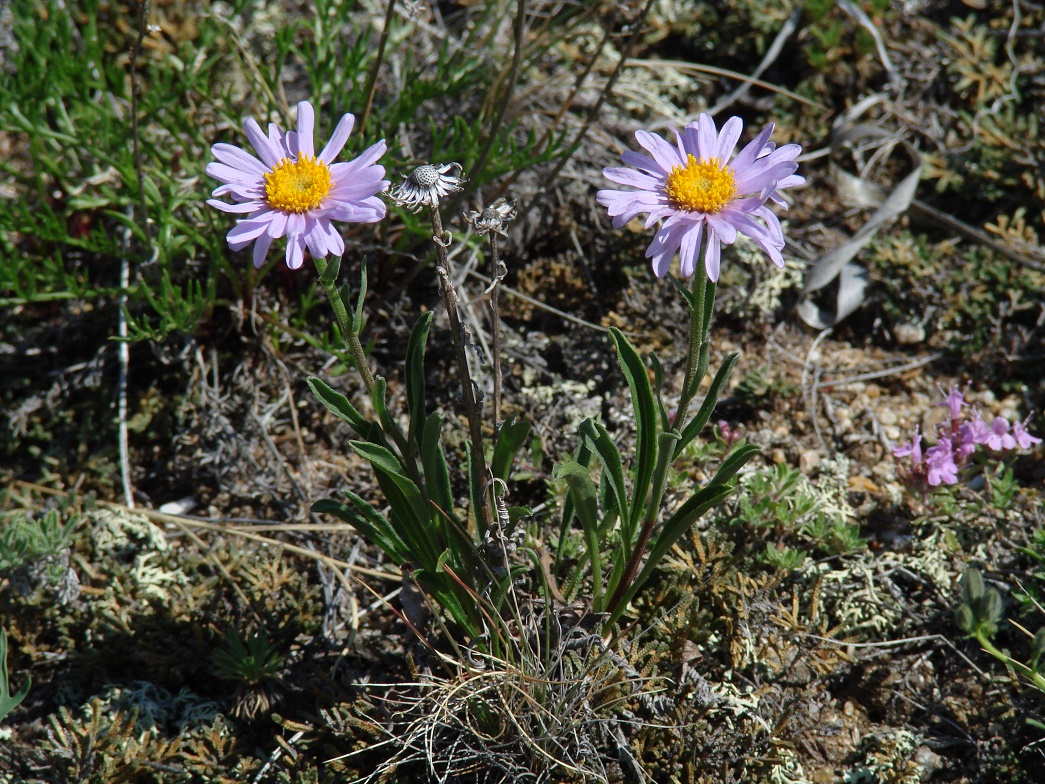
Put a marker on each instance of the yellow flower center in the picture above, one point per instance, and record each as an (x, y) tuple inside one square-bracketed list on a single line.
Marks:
[(298, 186), (701, 186)]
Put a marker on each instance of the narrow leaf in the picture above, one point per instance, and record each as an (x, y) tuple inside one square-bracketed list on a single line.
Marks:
[(383, 535), (510, 439), (415, 377), (339, 405), (707, 408), (734, 461), (582, 490), (645, 420), (357, 315)]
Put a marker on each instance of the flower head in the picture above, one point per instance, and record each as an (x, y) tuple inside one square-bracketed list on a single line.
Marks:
[(493, 218), (427, 184), (294, 193), (692, 186)]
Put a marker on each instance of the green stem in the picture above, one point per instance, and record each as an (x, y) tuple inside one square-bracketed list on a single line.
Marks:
[(1034, 677), (344, 323), (700, 306)]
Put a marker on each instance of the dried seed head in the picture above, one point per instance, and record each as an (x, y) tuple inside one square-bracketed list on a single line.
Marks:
[(427, 184), (493, 218)]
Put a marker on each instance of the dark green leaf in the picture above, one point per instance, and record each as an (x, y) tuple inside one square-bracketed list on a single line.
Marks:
[(376, 531), (433, 461), (415, 376), (645, 420), (692, 430), (510, 439), (339, 405), (734, 461), (582, 491)]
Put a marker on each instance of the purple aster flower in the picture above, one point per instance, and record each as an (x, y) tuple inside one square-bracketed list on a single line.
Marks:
[(914, 449), (692, 185), (940, 462), (998, 437), (294, 193), (1023, 439)]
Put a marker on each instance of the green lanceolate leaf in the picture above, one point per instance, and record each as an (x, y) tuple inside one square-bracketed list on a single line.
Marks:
[(692, 430), (415, 376), (598, 440), (734, 461), (645, 420), (682, 290), (331, 272), (510, 439), (409, 513), (658, 386), (339, 405), (673, 530), (433, 462), (9, 701), (371, 526), (582, 457), (582, 491)]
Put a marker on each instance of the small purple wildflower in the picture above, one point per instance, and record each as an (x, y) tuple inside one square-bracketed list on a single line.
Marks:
[(914, 449), (970, 435), (692, 185), (957, 440), (942, 468), (998, 437), (954, 402), (294, 193), (1023, 439)]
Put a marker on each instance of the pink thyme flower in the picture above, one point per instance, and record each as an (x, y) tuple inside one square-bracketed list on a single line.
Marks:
[(291, 192), (914, 449), (1023, 439), (940, 461), (692, 185), (954, 402), (970, 435), (997, 436)]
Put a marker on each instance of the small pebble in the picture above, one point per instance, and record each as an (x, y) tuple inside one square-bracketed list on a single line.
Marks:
[(809, 461), (909, 334)]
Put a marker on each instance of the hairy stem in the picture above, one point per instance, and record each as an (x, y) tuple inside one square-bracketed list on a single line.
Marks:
[(344, 323), (495, 325), (451, 300), (699, 323)]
